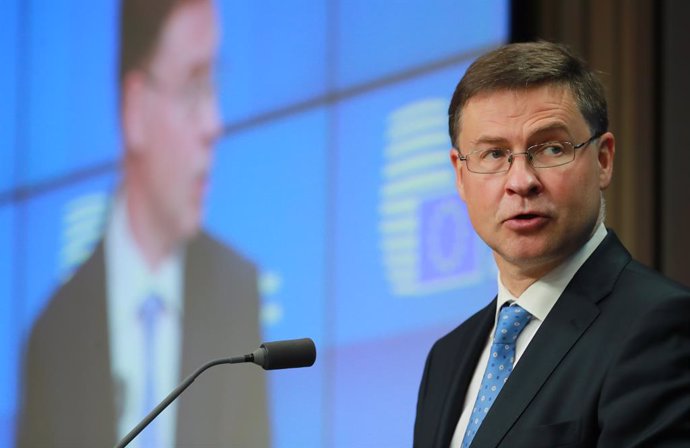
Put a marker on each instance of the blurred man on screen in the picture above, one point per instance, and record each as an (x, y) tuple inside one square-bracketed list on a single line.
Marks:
[(582, 346), (158, 298)]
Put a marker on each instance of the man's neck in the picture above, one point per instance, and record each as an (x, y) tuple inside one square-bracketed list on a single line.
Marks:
[(516, 279), (154, 243)]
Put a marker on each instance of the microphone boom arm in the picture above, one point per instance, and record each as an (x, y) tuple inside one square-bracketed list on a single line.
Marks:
[(176, 392), (286, 354)]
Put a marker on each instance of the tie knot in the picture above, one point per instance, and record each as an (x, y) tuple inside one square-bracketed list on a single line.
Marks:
[(511, 321), (150, 309)]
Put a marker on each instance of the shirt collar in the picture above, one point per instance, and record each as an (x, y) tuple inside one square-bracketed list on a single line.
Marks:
[(131, 266), (542, 295)]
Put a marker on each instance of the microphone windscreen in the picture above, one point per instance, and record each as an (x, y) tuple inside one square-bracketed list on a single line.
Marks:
[(287, 354)]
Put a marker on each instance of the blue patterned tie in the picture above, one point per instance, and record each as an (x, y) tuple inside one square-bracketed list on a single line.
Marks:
[(149, 314), (511, 321)]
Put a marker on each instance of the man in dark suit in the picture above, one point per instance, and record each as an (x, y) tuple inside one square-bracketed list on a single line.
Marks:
[(71, 397), (158, 298), (583, 346)]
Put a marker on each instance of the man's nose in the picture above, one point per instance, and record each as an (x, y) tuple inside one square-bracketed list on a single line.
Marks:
[(521, 177), (210, 120)]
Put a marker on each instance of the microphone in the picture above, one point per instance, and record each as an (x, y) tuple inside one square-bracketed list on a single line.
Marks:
[(285, 354), (288, 354)]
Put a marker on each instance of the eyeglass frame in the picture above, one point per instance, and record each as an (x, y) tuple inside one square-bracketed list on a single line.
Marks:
[(528, 153), (191, 92)]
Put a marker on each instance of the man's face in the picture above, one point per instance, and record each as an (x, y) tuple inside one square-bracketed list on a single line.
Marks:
[(532, 218), (173, 120)]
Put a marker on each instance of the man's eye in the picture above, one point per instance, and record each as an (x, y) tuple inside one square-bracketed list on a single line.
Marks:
[(492, 154), (552, 150)]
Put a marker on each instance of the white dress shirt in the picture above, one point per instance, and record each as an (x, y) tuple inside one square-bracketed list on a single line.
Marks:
[(538, 300), (130, 280)]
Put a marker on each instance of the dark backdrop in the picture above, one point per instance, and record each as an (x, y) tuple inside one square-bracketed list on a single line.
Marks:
[(641, 48)]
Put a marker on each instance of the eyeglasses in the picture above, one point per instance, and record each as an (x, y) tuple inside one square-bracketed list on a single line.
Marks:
[(542, 155), (192, 93)]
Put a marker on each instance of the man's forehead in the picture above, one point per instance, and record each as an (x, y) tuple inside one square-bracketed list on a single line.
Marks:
[(191, 31), (544, 92), (542, 108)]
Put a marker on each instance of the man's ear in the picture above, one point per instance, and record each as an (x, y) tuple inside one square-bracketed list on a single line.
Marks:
[(132, 110), (457, 167), (605, 155)]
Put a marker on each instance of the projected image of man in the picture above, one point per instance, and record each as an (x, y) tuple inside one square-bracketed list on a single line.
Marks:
[(159, 297)]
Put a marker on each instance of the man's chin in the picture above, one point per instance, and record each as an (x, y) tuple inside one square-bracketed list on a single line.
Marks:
[(190, 229), (529, 253)]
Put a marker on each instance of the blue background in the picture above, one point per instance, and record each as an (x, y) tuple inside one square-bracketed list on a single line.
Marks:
[(306, 89)]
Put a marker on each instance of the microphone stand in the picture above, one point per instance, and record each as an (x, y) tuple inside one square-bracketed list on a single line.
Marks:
[(286, 354), (176, 392)]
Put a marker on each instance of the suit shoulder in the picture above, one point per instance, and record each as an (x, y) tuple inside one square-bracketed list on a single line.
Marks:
[(646, 302), (86, 284), (647, 284), (213, 266), (208, 248)]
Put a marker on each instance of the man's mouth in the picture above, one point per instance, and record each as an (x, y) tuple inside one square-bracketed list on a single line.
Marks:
[(526, 221), (526, 216)]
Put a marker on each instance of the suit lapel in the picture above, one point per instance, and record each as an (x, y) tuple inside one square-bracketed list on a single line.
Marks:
[(569, 319), (466, 358), (560, 331), (194, 348), (103, 393)]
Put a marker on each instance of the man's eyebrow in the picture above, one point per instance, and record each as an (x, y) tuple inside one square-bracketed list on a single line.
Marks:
[(490, 140), (502, 141), (550, 128)]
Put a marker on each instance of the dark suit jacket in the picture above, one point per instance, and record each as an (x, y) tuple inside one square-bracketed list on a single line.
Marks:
[(70, 398), (609, 367)]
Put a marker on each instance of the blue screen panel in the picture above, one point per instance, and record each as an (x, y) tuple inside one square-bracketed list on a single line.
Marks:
[(374, 387), (9, 27), (273, 54), (297, 407), (59, 233), (71, 104), (406, 255), (268, 198), (346, 205), (379, 38), (9, 349)]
